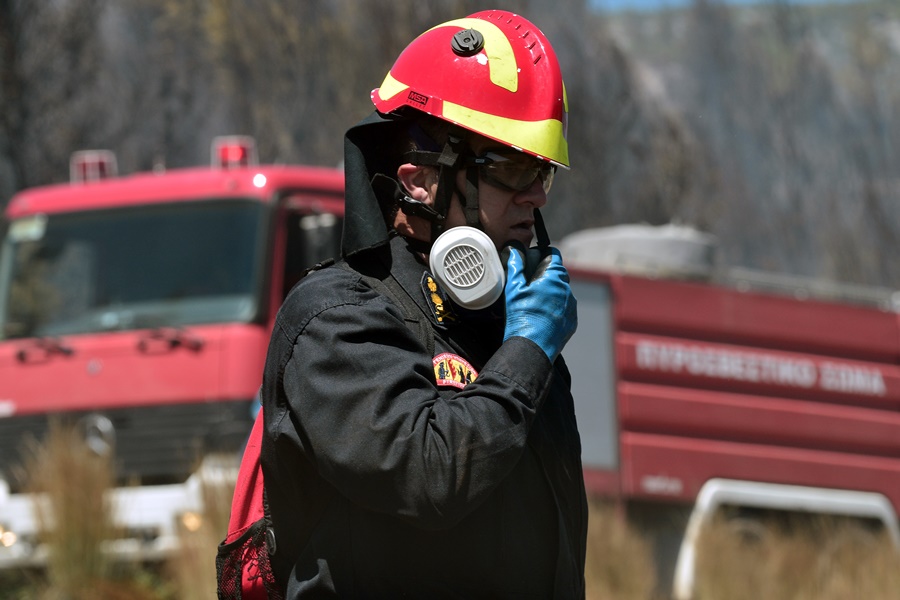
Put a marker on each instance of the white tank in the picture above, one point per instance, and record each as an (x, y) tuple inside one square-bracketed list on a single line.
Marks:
[(664, 250)]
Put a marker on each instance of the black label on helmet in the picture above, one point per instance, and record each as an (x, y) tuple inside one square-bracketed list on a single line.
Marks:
[(417, 98)]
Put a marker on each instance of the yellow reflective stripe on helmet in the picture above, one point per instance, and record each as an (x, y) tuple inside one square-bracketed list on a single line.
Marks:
[(543, 138), (502, 65), (390, 87)]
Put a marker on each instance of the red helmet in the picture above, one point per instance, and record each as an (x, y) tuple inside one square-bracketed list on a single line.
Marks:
[(493, 73)]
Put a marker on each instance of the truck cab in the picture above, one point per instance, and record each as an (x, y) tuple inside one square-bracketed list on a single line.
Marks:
[(138, 310)]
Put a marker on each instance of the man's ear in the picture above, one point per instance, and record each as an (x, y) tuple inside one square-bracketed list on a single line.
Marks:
[(417, 182)]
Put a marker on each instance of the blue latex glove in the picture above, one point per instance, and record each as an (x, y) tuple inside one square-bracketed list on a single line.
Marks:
[(539, 306)]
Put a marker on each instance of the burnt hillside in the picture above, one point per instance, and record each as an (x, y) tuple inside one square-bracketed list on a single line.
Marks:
[(792, 114), (774, 127)]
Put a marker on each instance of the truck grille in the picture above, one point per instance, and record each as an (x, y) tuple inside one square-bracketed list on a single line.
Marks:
[(153, 444)]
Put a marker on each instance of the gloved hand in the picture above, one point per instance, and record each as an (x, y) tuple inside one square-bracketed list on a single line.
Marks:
[(539, 306)]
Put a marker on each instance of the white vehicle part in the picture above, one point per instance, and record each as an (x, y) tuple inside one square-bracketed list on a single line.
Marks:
[(719, 492), (151, 512)]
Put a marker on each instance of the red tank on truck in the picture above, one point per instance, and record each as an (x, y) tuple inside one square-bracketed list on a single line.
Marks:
[(701, 388)]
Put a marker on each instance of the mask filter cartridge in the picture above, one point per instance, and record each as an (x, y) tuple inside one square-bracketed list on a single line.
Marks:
[(466, 265)]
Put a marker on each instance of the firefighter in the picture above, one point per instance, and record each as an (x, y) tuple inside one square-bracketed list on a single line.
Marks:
[(417, 446)]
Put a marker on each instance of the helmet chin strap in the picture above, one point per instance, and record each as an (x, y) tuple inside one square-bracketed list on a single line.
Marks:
[(470, 199), (449, 162), (540, 230), (448, 166)]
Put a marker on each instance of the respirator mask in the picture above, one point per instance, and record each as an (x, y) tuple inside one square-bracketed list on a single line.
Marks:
[(467, 266)]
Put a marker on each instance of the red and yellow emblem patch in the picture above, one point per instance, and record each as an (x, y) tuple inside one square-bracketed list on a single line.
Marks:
[(453, 370)]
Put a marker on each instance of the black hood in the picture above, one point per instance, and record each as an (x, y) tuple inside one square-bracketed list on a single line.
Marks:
[(368, 148)]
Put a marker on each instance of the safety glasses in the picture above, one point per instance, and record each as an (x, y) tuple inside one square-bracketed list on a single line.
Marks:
[(514, 171)]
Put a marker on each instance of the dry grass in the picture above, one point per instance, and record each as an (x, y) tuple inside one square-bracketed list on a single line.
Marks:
[(193, 570), (737, 560), (801, 559), (73, 520), (73, 516), (619, 560)]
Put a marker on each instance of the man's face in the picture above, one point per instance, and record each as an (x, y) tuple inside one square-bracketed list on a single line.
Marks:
[(506, 214)]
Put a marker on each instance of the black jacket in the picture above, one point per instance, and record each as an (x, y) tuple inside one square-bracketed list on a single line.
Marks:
[(382, 483)]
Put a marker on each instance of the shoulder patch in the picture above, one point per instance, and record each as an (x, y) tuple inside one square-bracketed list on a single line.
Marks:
[(436, 299), (453, 370)]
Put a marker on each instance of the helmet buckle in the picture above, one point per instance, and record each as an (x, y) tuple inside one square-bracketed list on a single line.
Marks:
[(467, 42)]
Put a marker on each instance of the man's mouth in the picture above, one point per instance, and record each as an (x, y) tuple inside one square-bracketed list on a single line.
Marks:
[(527, 225)]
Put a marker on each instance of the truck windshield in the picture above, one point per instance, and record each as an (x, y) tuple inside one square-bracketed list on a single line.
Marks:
[(131, 268)]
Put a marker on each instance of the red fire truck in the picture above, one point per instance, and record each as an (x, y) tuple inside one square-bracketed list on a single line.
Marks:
[(138, 309), (699, 388)]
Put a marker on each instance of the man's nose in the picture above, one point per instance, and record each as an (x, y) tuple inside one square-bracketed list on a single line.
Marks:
[(534, 194)]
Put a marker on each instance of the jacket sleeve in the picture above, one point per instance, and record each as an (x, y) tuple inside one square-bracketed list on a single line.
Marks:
[(360, 391)]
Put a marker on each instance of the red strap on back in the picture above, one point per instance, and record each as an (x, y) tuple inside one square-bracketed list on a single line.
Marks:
[(247, 503)]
